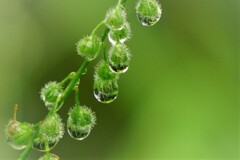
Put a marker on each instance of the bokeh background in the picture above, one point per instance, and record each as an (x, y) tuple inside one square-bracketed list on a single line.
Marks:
[(179, 99)]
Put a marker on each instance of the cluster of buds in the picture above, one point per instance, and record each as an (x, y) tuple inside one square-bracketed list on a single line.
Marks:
[(44, 135)]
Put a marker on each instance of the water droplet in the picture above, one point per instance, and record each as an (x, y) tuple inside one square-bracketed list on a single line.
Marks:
[(115, 36), (14, 145), (78, 135), (119, 58), (44, 147), (148, 21), (105, 91), (118, 68)]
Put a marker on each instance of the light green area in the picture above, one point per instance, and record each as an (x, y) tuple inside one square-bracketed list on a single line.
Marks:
[(178, 100)]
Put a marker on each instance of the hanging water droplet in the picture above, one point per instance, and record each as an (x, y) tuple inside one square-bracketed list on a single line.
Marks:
[(148, 21), (78, 135), (118, 68), (119, 58), (115, 36), (105, 91), (14, 145), (148, 12), (44, 147)]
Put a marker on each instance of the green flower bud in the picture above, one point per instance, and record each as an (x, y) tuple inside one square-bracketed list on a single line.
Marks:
[(49, 156), (119, 58), (89, 47), (115, 18), (50, 132), (80, 122), (120, 36), (19, 134), (50, 93), (103, 72), (148, 12)]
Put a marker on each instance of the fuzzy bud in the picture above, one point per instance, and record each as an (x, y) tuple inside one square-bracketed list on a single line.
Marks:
[(19, 134), (115, 18), (80, 122), (89, 47), (148, 12), (50, 132), (50, 93), (103, 72)]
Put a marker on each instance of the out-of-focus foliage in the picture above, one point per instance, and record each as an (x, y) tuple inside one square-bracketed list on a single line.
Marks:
[(179, 99)]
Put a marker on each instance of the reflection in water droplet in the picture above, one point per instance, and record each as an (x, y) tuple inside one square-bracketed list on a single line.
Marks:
[(118, 68), (106, 92), (44, 147), (15, 146), (148, 21), (78, 135)]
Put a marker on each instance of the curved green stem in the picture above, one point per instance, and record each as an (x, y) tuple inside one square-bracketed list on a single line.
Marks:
[(97, 27)]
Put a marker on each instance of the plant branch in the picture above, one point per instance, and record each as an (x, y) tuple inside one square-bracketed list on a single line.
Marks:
[(69, 88)]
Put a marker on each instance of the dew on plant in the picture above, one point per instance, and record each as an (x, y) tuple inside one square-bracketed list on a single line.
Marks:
[(14, 145), (147, 21), (44, 147), (78, 135), (118, 68), (105, 92)]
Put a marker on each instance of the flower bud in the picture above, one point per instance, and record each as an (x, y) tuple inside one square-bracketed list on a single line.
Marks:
[(115, 18), (49, 156), (19, 134), (50, 93), (148, 12), (50, 132), (80, 122), (120, 36), (103, 72), (119, 58), (89, 47)]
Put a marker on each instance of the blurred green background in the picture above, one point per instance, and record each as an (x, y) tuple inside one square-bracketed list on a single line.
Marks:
[(179, 99)]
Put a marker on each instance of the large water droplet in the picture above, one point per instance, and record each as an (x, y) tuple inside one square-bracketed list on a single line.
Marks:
[(78, 135), (118, 68), (148, 21), (44, 147), (106, 92), (14, 145)]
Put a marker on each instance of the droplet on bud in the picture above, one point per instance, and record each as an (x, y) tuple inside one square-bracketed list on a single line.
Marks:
[(115, 18), (44, 146), (50, 132), (49, 156), (18, 134), (119, 58), (148, 12), (50, 93), (105, 91), (80, 122), (78, 135), (120, 36)]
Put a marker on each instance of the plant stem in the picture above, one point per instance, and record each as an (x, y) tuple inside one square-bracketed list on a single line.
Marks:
[(97, 27), (25, 153)]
